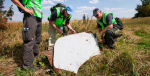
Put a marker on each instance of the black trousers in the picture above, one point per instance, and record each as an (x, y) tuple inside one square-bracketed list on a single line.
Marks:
[(110, 38), (31, 39)]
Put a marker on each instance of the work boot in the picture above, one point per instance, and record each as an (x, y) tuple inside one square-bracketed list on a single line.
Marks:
[(25, 67), (109, 47), (115, 39)]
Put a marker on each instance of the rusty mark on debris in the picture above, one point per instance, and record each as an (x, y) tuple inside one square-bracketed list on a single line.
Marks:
[(50, 56)]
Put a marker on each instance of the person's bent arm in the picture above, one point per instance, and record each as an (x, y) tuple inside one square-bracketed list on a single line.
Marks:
[(100, 29), (108, 27), (109, 22), (57, 29), (73, 31), (17, 3)]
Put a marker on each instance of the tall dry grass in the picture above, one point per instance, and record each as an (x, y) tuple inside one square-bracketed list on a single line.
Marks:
[(131, 55)]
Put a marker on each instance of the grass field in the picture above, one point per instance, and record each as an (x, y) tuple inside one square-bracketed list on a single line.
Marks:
[(131, 56)]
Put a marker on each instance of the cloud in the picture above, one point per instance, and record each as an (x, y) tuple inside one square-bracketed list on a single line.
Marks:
[(79, 11), (86, 8), (84, 13), (94, 1), (119, 0), (48, 2), (59, 0), (78, 16), (111, 9), (125, 13), (51, 1), (116, 0), (130, 10), (46, 7)]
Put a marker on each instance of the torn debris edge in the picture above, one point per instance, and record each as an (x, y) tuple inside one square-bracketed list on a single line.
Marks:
[(70, 52)]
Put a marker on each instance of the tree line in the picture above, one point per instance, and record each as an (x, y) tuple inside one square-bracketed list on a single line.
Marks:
[(143, 10), (5, 15)]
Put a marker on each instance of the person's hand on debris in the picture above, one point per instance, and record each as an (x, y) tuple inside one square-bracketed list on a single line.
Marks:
[(59, 31), (29, 11), (73, 31)]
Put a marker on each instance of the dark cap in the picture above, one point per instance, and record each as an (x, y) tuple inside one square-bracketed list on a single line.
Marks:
[(95, 11)]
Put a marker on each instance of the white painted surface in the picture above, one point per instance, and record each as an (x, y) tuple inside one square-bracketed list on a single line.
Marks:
[(70, 52)]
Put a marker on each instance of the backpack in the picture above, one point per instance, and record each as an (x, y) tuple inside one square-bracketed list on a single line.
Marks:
[(52, 9), (119, 22), (21, 1)]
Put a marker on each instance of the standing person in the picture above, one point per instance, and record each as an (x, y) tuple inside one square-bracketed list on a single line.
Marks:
[(106, 24), (84, 17), (56, 23), (32, 28)]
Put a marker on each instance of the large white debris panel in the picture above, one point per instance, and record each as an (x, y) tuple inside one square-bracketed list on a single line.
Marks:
[(70, 52)]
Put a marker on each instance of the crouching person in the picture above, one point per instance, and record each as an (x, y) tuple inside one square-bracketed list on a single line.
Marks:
[(108, 25)]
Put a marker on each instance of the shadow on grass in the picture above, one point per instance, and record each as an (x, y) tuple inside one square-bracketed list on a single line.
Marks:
[(101, 45), (15, 52)]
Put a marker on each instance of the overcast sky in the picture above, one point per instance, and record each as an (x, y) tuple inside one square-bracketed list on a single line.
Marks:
[(120, 8)]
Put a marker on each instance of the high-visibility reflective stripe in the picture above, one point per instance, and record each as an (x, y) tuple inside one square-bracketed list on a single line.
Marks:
[(69, 17), (58, 11), (59, 21), (113, 20), (101, 24), (35, 8), (104, 20)]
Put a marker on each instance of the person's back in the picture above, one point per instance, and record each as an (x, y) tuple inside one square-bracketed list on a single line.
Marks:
[(32, 28)]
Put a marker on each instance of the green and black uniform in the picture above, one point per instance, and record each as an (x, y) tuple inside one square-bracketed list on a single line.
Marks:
[(108, 19), (59, 18), (32, 35)]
